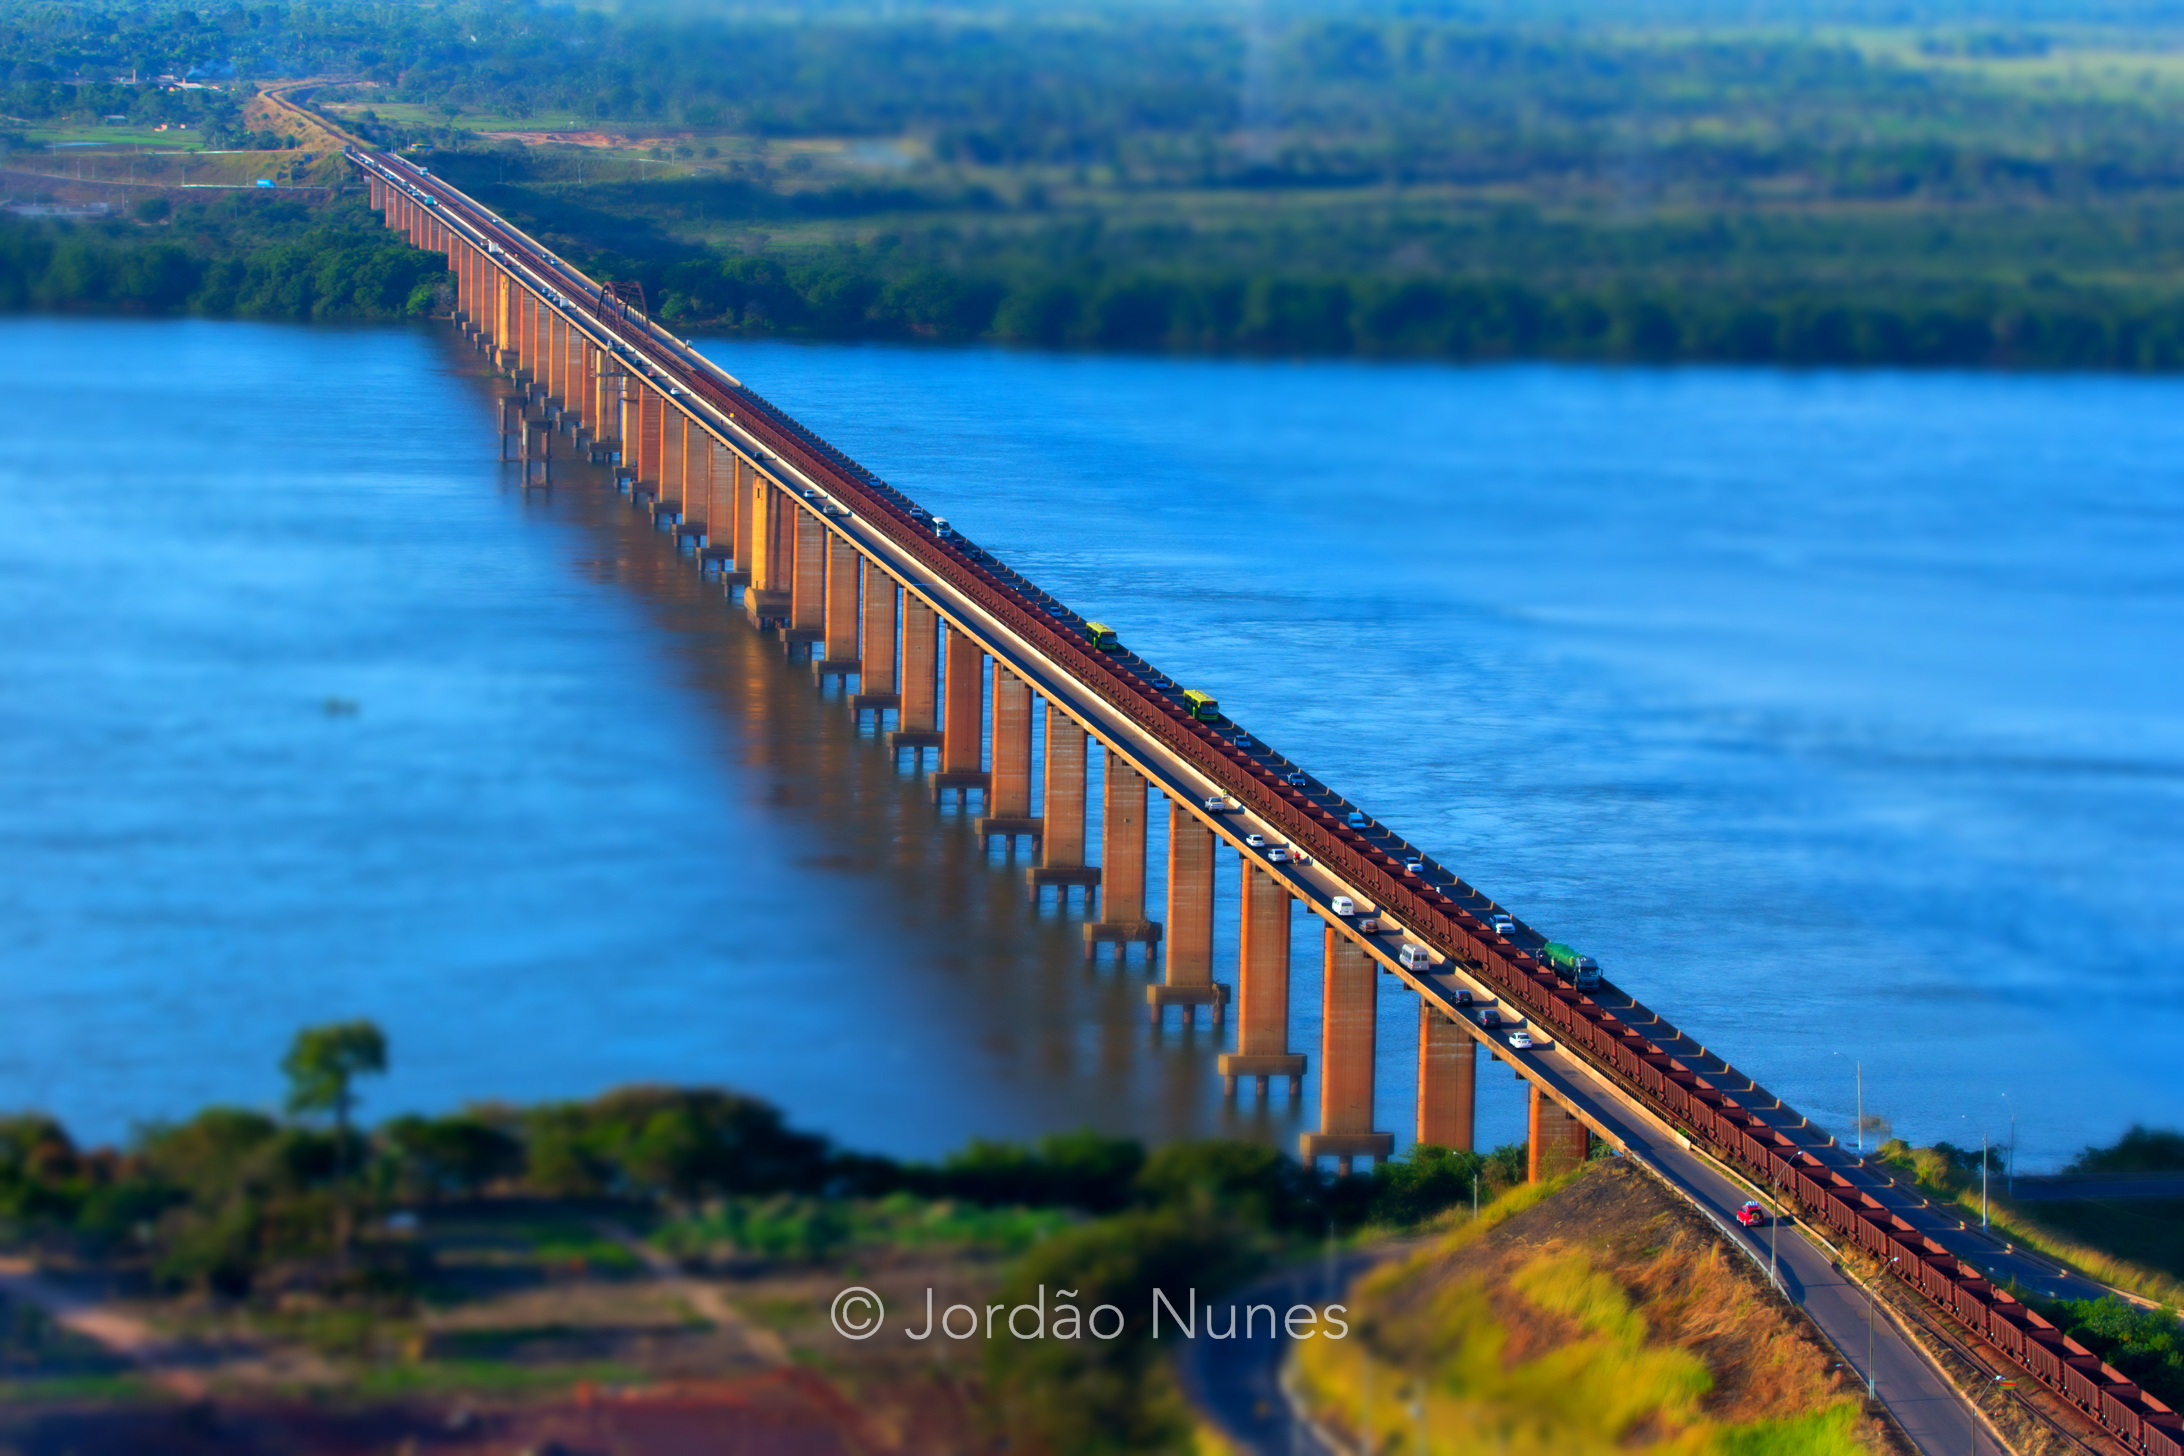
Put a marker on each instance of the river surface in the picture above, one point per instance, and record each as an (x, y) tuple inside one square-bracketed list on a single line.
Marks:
[(1839, 716)]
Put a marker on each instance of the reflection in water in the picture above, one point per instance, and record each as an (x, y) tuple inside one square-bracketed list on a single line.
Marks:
[(1067, 1032)]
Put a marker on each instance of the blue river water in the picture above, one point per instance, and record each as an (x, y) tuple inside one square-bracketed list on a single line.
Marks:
[(1837, 715)]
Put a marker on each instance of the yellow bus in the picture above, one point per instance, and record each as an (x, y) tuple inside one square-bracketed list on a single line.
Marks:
[(1202, 705), (1102, 637)]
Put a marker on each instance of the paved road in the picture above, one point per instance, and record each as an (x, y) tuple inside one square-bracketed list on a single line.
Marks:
[(1237, 1383)]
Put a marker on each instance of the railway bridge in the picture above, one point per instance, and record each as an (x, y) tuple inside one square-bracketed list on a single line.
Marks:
[(943, 640)]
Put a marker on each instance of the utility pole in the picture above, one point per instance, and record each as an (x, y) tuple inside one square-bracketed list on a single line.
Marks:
[(1893, 1258), (1982, 1180), (1774, 1231), (1861, 1109)]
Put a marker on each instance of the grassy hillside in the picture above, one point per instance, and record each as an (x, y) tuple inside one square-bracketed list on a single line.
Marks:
[(1602, 1284)]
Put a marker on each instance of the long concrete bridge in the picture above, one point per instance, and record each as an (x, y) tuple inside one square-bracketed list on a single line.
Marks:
[(942, 640)]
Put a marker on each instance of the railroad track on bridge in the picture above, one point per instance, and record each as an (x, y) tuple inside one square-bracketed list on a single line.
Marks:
[(1612, 1057)]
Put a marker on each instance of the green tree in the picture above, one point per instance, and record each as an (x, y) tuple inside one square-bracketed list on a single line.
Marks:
[(322, 1066)]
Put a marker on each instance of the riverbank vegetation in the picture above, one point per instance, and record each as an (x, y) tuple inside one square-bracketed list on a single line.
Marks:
[(1415, 186), (655, 1236), (647, 1235), (237, 257)]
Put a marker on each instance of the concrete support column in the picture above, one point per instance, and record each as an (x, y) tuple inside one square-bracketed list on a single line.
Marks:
[(580, 380), (841, 609), (504, 316), (626, 417), (1448, 1081), (1262, 1032), (652, 423), (557, 361), (1061, 808), (740, 536), (549, 355), (963, 727), (773, 551), (1349, 1022), (808, 587), (606, 404), (679, 464), (1008, 800), (918, 725), (1188, 978), (560, 356), (1122, 861), (1558, 1141), (876, 676), (720, 498)]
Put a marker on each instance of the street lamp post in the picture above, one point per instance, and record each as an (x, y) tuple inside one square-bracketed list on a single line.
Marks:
[(1774, 1227)]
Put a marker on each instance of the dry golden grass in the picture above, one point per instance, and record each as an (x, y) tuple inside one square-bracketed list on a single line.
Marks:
[(1594, 1315)]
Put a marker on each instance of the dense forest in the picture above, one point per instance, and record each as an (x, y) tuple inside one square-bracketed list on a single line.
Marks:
[(1293, 179)]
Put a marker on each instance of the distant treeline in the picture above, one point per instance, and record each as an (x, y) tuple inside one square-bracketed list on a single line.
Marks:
[(341, 265), (1418, 318), (857, 295)]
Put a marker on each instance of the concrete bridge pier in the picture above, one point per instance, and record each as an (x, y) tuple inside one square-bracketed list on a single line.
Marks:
[(604, 408), (963, 728), (1122, 921), (1558, 1142), (575, 388), (1448, 1082), (807, 626), (876, 676), (917, 727), (734, 518), (724, 501), (840, 628), (1008, 798), (1262, 1033), (671, 500), (1349, 1025), (1187, 979), (651, 423), (1061, 846), (765, 600)]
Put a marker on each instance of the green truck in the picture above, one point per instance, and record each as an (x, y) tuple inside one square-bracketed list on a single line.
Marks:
[(1583, 970)]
